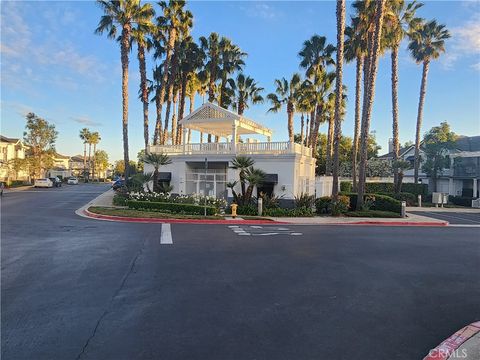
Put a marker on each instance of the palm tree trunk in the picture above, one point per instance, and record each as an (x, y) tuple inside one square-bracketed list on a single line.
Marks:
[(314, 135), (241, 107), (290, 111), (181, 110), (174, 122), (305, 143), (396, 144), (339, 94), (125, 45), (192, 106), (144, 90), (421, 101), (302, 124), (312, 124), (89, 160), (331, 129), (369, 94), (93, 163), (167, 121), (84, 160), (358, 91), (158, 123)]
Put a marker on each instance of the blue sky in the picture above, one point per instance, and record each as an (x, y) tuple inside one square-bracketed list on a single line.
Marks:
[(53, 64)]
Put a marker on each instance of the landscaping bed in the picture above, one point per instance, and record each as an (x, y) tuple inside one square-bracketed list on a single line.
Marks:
[(146, 214), (372, 214)]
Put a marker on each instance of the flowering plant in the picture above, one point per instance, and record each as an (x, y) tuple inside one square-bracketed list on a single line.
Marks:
[(178, 199)]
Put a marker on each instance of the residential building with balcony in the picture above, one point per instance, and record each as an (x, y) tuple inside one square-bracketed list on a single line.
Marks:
[(206, 168), (10, 150)]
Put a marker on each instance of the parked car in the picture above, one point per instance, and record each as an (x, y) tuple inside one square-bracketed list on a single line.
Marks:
[(56, 181), (118, 184), (72, 181), (43, 183)]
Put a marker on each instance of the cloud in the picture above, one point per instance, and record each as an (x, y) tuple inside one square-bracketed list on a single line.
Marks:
[(465, 42), (261, 10), (85, 120)]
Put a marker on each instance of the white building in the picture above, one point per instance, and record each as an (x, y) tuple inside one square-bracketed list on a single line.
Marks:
[(290, 167), (10, 151)]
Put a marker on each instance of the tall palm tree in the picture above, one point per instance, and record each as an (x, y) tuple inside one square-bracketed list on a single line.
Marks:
[(427, 42), (156, 160), (338, 93), (254, 177), (211, 48), (154, 89), (368, 96), (94, 140), (355, 49), (305, 105), (286, 93), (84, 136), (242, 163), (141, 35), (400, 20), (125, 15), (245, 90), (173, 19), (231, 60)]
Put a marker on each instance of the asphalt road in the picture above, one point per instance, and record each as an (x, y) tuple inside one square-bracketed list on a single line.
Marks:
[(75, 288), (455, 218)]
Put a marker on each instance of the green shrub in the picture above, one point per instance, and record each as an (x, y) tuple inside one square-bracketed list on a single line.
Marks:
[(119, 200), (415, 189), (175, 208), (386, 203), (250, 210), (372, 214), (323, 204), (341, 206), (409, 198), (282, 212), (346, 186), (376, 188), (460, 200), (304, 201), (352, 200)]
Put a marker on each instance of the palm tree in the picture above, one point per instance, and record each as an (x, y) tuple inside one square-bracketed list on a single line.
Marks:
[(84, 136), (156, 160), (254, 177), (230, 60), (124, 15), (338, 93), (305, 105), (141, 35), (154, 89), (355, 48), (245, 90), (174, 18), (286, 93), (368, 96), (242, 163), (400, 20), (94, 140), (427, 42)]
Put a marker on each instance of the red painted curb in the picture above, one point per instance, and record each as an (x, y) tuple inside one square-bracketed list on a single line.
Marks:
[(249, 222), (450, 346), (178, 221)]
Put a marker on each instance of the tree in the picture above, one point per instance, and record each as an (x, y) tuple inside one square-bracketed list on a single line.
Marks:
[(245, 90), (338, 94), (100, 161), (286, 93), (427, 42), (141, 35), (230, 60), (93, 140), (254, 177), (400, 19), (242, 163), (84, 136), (119, 168), (368, 96), (437, 142), (156, 160), (123, 14), (140, 156), (39, 137)]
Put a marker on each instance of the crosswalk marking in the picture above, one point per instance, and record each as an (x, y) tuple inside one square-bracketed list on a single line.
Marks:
[(166, 235)]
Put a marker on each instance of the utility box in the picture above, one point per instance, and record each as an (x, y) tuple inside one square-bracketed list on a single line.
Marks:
[(439, 198), (476, 203)]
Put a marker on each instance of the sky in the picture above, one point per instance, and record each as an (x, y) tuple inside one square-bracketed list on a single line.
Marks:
[(54, 65)]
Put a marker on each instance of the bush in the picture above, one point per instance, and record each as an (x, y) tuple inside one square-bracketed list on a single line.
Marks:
[(409, 198), (341, 206), (304, 201), (415, 189), (372, 214), (190, 209), (119, 200), (250, 210), (323, 204), (377, 188), (378, 202), (346, 186), (282, 212), (460, 200)]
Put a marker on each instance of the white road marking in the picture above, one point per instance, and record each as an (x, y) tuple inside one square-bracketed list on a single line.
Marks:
[(233, 226), (243, 233), (256, 227), (266, 234), (296, 234), (283, 229), (166, 235)]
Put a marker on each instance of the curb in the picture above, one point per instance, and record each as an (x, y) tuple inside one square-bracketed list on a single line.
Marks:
[(84, 212), (448, 348)]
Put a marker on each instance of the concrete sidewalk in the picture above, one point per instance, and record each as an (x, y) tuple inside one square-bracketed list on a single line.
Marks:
[(444, 209), (104, 200)]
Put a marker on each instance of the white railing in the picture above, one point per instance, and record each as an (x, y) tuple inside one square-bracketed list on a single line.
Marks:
[(274, 148)]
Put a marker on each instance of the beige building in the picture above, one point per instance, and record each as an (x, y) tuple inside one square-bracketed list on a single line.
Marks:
[(11, 150)]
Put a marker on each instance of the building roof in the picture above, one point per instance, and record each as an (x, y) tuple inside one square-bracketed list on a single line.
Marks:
[(401, 152), (213, 119), (8, 140), (60, 156), (77, 158), (468, 143)]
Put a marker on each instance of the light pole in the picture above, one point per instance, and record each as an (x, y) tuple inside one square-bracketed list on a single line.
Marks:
[(205, 199)]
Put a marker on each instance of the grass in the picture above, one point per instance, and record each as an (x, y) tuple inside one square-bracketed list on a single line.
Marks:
[(372, 214)]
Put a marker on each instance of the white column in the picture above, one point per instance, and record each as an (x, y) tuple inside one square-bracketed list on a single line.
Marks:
[(475, 188), (234, 137), (451, 190), (185, 135)]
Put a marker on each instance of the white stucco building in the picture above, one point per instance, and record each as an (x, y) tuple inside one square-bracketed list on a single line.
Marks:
[(290, 167)]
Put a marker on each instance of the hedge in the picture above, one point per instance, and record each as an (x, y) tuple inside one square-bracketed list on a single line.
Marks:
[(119, 200), (383, 187), (382, 202), (346, 186), (409, 198), (190, 209), (324, 205), (282, 212), (461, 200)]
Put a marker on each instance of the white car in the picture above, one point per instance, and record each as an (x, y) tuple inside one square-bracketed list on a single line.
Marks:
[(72, 181), (43, 183)]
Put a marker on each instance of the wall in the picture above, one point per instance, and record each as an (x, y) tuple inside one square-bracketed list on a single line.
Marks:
[(323, 186)]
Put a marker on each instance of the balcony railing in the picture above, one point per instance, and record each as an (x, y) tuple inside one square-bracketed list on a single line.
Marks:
[(273, 148)]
